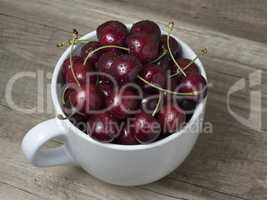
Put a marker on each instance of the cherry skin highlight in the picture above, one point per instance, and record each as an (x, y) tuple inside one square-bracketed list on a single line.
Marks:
[(143, 46), (153, 74), (195, 84), (127, 137), (121, 103), (83, 74), (86, 99), (183, 63), (112, 33), (146, 128), (102, 128), (89, 47), (66, 64), (148, 27), (125, 68), (172, 118)]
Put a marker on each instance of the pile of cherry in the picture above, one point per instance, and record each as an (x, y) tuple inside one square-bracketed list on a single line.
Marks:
[(131, 86)]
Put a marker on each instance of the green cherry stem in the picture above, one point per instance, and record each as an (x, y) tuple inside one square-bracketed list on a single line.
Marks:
[(72, 68), (165, 52), (202, 52), (169, 91), (103, 47), (169, 30), (156, 110)]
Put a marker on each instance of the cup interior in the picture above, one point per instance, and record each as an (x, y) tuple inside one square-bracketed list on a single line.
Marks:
[(56, 92)]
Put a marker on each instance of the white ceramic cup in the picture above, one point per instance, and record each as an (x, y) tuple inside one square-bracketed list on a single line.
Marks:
[(125, 165)]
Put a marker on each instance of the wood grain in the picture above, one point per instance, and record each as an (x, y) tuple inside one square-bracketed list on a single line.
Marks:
[(229, 163)]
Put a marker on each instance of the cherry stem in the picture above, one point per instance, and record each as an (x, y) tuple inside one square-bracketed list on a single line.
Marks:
[(72, 68), (169, 30), (158, 105), (202, 52), (165, 51), (169, 91), (103, 47)]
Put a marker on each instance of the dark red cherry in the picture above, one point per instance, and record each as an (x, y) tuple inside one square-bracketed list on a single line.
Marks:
[(172, 118), (105, 61), (89, 47), (175, 47), (195, 84), (66, 64), (143, 46), (127, 136), (112, 33), (83, 73), (102, 127), (149, 102), (146, 128), (87, 99), (153, 74), (165, 63), (148, 27), (106, 87), (183, 63), (125, 68), (121, 103), (188, 105)]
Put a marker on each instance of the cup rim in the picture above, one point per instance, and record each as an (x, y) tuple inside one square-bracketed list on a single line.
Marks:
[(54, 93)]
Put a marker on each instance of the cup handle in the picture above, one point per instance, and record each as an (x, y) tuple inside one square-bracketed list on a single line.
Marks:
[(38, 136)]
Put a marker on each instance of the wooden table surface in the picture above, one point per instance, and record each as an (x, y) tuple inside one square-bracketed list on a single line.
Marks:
[(230, 163)]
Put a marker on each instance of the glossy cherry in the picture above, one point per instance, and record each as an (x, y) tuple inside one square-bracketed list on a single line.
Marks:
[(121, 103), (195, 84), (106, 87), (105, 61), (183, 63), (172, 118), (127, 136), (86, 99), (125, 68), (112, 33), (66, 64), (83, 74), (175, 47), (148, 27), (89, 47), (153, 74), (146, 128), (149, 102), (143, 46), (102, 127)]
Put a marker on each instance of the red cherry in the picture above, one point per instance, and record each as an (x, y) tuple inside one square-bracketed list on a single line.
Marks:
[(143, 46), (193, 83), (149, 103), (105, 61), (127, 137), (112, 33), (102, 128), (121, 103), (86, 99), (172, 118), (82, 73), (66, 64), (148, 27), (125, 68), (146, 128), (175, 47), (89, 47), (183, 63), (153, 74), (105, 87)]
